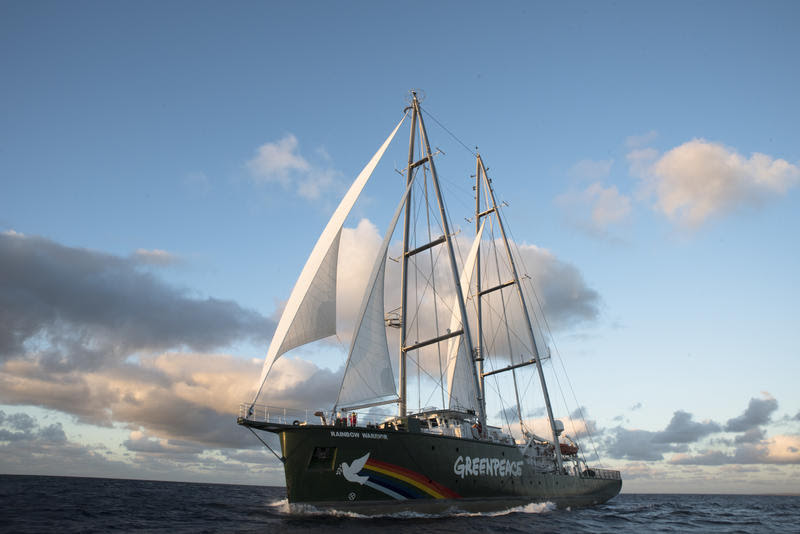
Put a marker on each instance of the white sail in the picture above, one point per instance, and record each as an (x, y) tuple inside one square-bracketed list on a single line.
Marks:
[(310, 312), (368, 377), (460, 380)]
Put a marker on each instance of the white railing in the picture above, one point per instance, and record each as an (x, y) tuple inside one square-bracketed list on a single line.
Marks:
[(288, 416), (274, 414)]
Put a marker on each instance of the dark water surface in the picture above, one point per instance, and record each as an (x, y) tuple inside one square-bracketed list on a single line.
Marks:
[(63, 504)]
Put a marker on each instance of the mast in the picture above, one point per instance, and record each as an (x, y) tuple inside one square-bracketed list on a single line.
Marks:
[(479, 306), (447, 239), (404, 270), (467, 338), (537, 359)]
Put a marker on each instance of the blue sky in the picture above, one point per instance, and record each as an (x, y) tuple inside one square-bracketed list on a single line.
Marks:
[(654, 148)]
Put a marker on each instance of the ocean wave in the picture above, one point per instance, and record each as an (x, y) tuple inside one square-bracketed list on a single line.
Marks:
[(283, 507)]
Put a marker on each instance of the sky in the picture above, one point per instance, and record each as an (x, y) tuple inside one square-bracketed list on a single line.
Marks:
[(165, 169)]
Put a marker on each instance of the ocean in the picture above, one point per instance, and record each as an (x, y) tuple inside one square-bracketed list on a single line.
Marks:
[(66, 504)]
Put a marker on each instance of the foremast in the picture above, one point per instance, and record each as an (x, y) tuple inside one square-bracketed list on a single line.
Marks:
[(493, 209), (447, 238)]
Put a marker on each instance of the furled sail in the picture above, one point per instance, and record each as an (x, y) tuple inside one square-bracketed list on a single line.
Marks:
[(460, 379), (310, 312), (368, 377)]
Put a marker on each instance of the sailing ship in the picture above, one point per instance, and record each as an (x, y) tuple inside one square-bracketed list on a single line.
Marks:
[(468, 331)]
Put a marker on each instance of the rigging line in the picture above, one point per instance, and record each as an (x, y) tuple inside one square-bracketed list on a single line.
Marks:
[(490, 362), (435, 308), (502, 404), (555, 347), (282, 460), (508, 335), (443, 127), (425, 289), (493, 310), (566, 375), (416, 362), (515, 334)]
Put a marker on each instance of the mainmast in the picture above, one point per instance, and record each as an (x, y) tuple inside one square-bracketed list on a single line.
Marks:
[(447, 238), (478, 303), (404, 270), (481, 173)]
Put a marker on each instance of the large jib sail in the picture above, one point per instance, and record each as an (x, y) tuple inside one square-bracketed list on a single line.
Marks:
[(461, 391), (368, 377), (310, 312)]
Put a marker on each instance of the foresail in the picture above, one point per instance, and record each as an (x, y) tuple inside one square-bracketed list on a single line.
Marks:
[(460, 378), (316, 315), (310, 312), (368, 377)]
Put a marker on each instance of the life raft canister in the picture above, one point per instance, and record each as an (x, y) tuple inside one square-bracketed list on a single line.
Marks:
[(568, 450), (477, 430)]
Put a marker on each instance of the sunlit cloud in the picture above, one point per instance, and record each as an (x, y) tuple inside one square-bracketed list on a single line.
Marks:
[(281, 162), (603, 205), (701, 179), (781, 449)]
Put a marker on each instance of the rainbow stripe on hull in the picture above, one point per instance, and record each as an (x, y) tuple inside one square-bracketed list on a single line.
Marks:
[(402, 484)]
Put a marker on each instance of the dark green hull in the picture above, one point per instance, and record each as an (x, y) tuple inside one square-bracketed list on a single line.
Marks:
[(382, 471)]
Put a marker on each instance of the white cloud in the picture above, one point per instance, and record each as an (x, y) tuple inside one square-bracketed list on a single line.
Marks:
[(281, 162), (605, 205), (275, 162), (700, 179), (640, 161)]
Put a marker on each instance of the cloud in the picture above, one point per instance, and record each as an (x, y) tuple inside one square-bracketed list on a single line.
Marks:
[(160, 258), (651, 446), (76, 308), (591, 169), (47, 450), (783, 449), (565, 296), (180, 396), (101, 338), (635, 141), (753, 435), (681, 429), (276, 162), (640, 161), (701, 179), (281, 162), (605, 205), (626, 444), (757, 413)]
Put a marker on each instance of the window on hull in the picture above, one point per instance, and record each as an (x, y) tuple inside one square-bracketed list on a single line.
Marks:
[(323, 458)]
